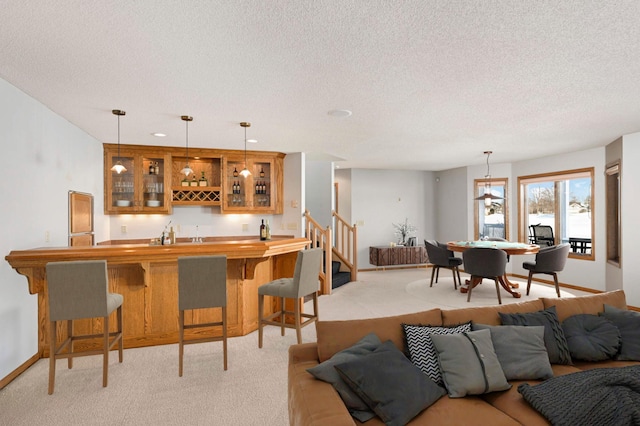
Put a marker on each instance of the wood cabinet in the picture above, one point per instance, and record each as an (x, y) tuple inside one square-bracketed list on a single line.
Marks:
[(142, 188), (153, 182), (399, 255), (260, 192)]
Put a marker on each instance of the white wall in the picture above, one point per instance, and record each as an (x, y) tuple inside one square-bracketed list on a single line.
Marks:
[(343, 179), (583, 273), (319, 190), (630, 178), (45, 157), (451, 205), (381, 198)]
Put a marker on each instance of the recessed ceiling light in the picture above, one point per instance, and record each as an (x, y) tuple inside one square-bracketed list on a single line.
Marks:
[(159, 135), (339, 113), (252, 140)]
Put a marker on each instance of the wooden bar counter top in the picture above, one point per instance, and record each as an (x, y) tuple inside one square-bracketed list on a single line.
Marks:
[(147, 277)]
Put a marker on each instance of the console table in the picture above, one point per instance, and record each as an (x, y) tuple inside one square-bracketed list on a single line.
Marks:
[(398, 255)]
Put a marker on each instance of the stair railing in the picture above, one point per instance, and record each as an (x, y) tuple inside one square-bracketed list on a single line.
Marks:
[(346, 244), (320, 237)]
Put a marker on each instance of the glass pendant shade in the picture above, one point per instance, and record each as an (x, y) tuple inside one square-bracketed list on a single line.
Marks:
[(118, 167), (186, 170), (245, 172)]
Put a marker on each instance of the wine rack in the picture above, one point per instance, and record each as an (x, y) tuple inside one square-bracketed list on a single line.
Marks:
[(185, 195)]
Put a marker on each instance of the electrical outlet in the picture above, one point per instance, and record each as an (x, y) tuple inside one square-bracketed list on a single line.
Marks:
[(245, 227), (292, 226), (46, 236), (294, 204), (360, 223), (123, 229)]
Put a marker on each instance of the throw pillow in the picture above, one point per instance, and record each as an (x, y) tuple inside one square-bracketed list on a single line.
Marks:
[(628, 322), (554, 339), (421, 350), (469, 363), (326, 372), (520, 350), (591, 337), (394, 388)]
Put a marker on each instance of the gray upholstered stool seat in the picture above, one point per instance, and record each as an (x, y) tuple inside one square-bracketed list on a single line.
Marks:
[(305, 282), (202, 283), (78, 290)]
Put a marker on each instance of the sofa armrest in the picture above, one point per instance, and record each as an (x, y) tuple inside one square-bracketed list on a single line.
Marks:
[(312, 402)]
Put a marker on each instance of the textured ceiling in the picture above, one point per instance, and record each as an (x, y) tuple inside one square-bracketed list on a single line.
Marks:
[(432, 84)]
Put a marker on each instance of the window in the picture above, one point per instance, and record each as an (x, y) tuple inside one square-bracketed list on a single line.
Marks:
[(613, 214), (561, 204), (491, 221)]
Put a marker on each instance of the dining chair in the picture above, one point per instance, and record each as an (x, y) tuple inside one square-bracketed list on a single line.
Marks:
[(79, 290), (550, 261), (541, 235), (305, 282), (441, 257), (484, 263), (202, 283)]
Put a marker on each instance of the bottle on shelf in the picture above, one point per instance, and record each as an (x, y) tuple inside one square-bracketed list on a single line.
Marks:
[(152, 168), (185, 181), (235, 172), (194, 181), (263, 231), (203, 180), (157, 168), (267, 231), (261, 172), (172, 236)]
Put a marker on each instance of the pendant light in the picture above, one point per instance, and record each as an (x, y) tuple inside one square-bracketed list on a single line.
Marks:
[(245, 172), (118, 167), (488, 197), (187, 170)]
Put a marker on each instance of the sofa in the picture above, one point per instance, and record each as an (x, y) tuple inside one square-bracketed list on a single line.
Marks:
[(316, 402)]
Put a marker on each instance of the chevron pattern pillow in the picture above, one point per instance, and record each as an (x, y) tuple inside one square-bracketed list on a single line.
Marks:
[(421, 350)]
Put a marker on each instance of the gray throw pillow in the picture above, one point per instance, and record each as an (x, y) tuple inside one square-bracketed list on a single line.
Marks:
[(628, 322), (554, 339), (591, 337), (326, 372), (394, 388), (520, 350), (469, 363), (421, 350)]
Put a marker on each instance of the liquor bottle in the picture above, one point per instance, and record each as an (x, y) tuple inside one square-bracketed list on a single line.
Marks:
[(194, 182), (263, 231), (235, 172), (203, 180), (156, 169), (185, 182), (152, 169), (267, 231), (172, 236), (257, 187), (261, 172)]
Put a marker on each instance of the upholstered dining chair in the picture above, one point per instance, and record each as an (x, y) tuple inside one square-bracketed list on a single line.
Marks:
[(79, 290), (304, 282), (202, 283), (550, 261), (499, 239), (440, 257), (484, 263)]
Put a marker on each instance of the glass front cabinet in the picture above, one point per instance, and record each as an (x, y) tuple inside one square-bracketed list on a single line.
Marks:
[(142, 188), (258, 192)]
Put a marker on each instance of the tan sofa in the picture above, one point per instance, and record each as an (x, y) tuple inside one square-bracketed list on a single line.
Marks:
[(315, 402)]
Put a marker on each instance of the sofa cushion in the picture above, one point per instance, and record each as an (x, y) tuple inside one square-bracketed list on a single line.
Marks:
[(334, 336), (628, 322), (554, 339), (394, 388), (469, 364), (326, 371), (421, 350), (487, 314), (591, 337), (520, 350), (591, 304)]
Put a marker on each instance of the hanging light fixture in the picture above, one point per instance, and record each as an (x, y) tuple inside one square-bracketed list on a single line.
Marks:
[(488, 197), (186, 169), (245, 172), (118, 167)]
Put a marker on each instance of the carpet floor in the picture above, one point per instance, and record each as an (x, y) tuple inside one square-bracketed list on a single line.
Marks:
[(145, 388)]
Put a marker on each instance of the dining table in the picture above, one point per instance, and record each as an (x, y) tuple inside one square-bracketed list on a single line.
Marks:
[(512, 248)]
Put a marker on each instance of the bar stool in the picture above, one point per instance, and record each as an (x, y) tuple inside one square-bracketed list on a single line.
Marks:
[(77, 290), (305, 282), (202, 283)]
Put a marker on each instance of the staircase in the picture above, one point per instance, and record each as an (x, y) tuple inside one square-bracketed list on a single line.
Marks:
[(340, 260)]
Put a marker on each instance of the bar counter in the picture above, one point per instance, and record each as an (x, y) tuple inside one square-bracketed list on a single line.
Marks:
[(147, 277)]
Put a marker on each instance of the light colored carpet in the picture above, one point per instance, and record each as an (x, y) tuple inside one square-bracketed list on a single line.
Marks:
[(146, 389)]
